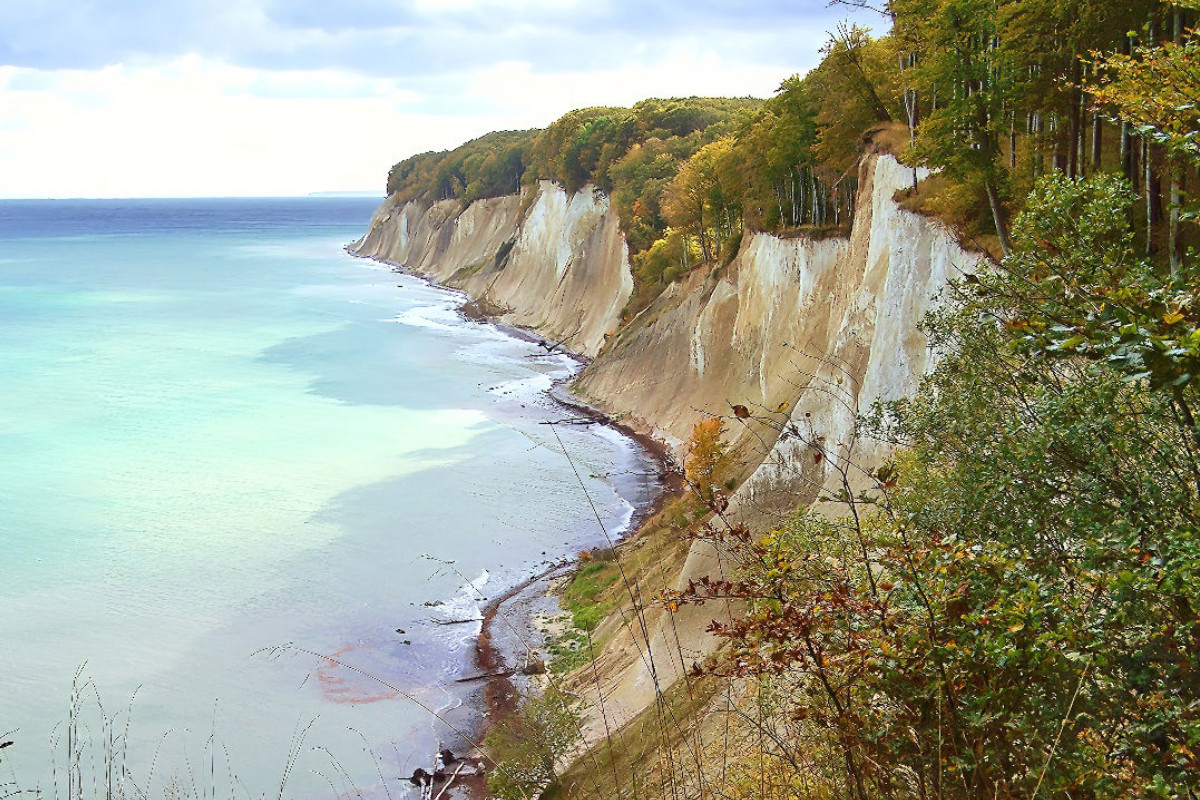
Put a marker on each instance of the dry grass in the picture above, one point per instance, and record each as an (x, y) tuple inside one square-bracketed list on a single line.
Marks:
[(891, 137), (961, 210), (648, 759)]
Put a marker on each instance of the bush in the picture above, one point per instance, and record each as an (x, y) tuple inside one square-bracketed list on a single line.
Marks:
[(526, 746)]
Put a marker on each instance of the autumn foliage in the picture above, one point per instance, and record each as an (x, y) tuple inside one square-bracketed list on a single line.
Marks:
[(707, 459)]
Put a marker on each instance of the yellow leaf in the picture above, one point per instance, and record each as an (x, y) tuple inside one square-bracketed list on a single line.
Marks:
[(1172, 317)]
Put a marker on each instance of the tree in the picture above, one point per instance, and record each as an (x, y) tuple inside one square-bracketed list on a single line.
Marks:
[(527, 745), (704, 197), (707, 459), (1156, 88), (960, 68), (1075, 289)]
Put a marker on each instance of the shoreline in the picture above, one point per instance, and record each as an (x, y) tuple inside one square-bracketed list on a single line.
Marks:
[(499, 664), (497, 693)]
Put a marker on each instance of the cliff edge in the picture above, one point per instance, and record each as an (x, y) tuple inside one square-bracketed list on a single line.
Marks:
[(801, 334)]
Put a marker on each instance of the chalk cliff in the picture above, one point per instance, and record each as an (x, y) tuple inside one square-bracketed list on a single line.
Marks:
[(799, 331), (805, 334), (802, 332), (559, 267)]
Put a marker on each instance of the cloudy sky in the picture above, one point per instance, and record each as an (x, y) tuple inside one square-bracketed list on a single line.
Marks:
[(152, 98)]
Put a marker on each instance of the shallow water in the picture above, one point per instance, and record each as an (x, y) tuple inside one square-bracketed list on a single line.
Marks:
[(226, 446)]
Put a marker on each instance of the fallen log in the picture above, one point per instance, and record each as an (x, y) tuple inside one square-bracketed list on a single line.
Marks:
[(504, 673)]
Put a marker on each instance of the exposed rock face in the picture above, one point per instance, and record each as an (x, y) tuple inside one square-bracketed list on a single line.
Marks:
[(803, 333), (560, 268)]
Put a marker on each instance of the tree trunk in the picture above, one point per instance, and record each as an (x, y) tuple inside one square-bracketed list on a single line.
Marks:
[(793, 181), (1039, 158), (1097, 141), (998, 217), (1126, 134), (1173, 244), (816, 200), (798, 216), (1012, 141), (1074, 122), (1060, 160), (1151, 189), (912, 107), (1151, 186)]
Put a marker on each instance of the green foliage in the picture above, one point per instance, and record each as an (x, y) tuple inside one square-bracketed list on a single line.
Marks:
[(1074, 287), (568, 651), (1159, 90), (582, 597), (527, 745), (991, 78), (581, 147), (1013, 610), (489, 166), (854, 90), (639, 178), (707, 463), (706, 196)]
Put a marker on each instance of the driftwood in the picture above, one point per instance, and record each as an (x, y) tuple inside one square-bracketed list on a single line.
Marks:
[(456, 621), (504, 673), (450, 781)]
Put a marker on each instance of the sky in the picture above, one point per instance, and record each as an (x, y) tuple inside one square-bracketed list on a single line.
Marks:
[(192, 98)]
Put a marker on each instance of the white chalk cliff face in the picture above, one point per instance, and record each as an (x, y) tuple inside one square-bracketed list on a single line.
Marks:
[(816, 328), (560, 268), (801, 332), (804, 333)]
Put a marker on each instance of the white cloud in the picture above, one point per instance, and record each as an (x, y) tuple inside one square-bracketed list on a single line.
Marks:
[(441, 7), (546, 96), (199, 127), (195, 127), (293, 96)]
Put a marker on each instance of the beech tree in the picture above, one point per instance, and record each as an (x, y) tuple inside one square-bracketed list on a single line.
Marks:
[(960, 69), (703, 197), (1156, 88)]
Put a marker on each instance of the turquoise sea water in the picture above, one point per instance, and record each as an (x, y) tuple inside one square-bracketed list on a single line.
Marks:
[(218, 434)]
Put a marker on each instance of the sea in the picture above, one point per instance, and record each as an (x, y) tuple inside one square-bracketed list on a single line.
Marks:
[(254, 493)]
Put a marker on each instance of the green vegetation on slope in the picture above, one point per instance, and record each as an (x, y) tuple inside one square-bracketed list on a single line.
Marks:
[(1011, 609)]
